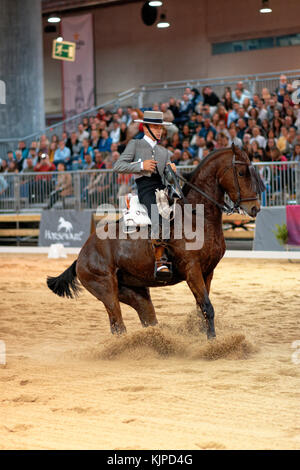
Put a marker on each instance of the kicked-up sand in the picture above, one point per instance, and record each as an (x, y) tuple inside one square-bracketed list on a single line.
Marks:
[(68, 384)]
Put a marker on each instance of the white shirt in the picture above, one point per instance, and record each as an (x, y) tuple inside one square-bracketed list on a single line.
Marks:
[(152, 143)]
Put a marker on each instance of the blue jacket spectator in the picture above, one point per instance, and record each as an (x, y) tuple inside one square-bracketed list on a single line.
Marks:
[(105, 142)]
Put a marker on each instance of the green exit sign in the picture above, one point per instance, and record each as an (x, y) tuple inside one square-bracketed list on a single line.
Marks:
[(64, 50)]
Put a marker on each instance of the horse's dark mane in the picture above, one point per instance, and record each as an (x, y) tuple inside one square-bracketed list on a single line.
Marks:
[(192, 175)]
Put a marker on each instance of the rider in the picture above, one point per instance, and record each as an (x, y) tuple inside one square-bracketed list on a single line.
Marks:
[(147, 160)]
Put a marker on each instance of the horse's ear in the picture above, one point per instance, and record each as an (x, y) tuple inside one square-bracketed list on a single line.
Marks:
[(236, 150)]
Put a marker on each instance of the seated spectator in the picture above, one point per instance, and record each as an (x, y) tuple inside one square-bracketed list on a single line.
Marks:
[(82, 133), (186, 159), (99, 161), (241, 128), (74, 145), (19, 160), (258, 137), (88, 163), (3, 166), (186, 146), (227, 100), (276, 125), (233, 115), (176, 156), (296, 153), (281, 143), (199, 147), (52, 150), (123, 137), (62, 154), (233, 139), (23, 148), (185, 109), (33, 155), (44, 165), (12, 167), (29, 165), (3, 185), (206, 128), (63, 186), (210, 98), (86, 149), (115, 133)]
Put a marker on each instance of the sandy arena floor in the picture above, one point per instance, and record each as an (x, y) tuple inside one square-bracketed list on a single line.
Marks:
[(69, 384)]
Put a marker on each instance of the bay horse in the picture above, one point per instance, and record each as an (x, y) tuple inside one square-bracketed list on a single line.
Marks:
[(122, 270)]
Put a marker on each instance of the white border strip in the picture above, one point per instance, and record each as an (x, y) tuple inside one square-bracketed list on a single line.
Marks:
[(243, 254)]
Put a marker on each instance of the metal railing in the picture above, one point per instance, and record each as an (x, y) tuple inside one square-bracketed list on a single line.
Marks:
[(86, 190), (145, 95)]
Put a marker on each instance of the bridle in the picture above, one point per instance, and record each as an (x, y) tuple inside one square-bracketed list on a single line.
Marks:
[(225, 207), (236, 181)]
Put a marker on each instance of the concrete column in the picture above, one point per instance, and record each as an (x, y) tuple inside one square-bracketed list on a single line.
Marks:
[(21, 68)]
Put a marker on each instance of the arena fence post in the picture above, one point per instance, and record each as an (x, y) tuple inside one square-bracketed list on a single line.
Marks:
[(297, 183), (76, 182)]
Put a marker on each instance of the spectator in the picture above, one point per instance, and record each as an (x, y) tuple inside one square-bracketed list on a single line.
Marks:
[(233, 139), (115, 133), (258, 137), (99, 161), (82, 133), (62, 154), (63, 186)]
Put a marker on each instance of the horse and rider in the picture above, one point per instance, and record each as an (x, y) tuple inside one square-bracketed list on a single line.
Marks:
[(148, 160), (118, 269)]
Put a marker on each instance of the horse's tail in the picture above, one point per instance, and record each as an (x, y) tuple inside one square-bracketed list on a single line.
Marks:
[(66, 284)]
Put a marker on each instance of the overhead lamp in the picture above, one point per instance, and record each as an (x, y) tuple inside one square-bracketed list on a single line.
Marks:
[(163, 23), (60, 39), (265, 8), (155, 3), (54, 19)]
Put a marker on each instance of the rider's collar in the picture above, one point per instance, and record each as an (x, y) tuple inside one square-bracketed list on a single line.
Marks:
[(150, 141)]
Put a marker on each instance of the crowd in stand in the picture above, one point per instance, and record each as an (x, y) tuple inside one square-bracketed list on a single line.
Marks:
[(266, 125)]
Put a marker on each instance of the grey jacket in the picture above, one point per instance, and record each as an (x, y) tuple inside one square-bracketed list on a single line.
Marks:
[(137, 151)]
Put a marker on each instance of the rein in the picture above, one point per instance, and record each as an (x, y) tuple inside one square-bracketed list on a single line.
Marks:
[(225, 207)]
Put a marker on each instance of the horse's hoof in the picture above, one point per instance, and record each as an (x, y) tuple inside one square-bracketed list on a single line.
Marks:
[(211, 336)]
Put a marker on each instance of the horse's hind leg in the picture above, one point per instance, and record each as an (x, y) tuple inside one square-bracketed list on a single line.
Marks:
[(139, 299), (105, 288)]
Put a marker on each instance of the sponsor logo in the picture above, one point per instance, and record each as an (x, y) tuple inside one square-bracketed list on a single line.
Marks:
[(64, 232)]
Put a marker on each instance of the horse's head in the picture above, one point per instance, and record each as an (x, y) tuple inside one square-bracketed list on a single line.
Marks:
[(241, 181)]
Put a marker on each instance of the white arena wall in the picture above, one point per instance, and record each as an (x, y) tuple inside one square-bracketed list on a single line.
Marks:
[(128, 53)]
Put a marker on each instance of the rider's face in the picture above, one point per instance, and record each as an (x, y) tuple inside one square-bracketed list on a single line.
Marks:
[(156, 130)]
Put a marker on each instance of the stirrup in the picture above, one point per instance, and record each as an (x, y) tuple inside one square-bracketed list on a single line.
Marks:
[(160, 275)]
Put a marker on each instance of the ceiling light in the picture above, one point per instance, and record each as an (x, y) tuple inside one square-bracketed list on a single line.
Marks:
[(60, 39), (265, 7), (54, 19), (163, 23), (155, 3)]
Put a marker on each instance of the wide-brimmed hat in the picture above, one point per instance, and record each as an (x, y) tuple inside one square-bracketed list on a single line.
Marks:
[(153, 117)]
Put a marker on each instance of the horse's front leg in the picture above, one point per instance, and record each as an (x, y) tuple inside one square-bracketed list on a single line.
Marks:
[(197, 285)]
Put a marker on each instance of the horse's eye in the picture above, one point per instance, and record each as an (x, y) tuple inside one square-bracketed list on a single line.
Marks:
[(241, 173)]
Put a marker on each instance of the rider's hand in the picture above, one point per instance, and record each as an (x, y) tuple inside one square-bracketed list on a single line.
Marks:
[(149, 165), (173, 166)]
